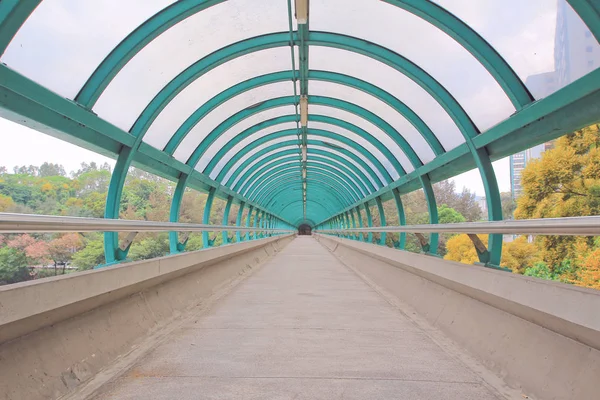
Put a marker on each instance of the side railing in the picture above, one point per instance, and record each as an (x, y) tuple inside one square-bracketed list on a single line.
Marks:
[(28, 223), (571, 226)]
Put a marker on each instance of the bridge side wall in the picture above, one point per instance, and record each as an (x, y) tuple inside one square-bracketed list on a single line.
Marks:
[(57, 333), (540, 337)]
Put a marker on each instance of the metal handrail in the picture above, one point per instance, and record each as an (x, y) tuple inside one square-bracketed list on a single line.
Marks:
[(28, 223), (571, 226)]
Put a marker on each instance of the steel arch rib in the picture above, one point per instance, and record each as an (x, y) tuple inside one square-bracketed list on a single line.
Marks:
[(326, 76), (292, 133), (320, 100), (246, 179), (250, 183), (342, 188), (171, 15), (290, 182), (255, 182), (341, 177), (339, 189), (318, 118), (322, 189)]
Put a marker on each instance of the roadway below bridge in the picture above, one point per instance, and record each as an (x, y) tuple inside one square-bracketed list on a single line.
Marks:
[(303, 326)]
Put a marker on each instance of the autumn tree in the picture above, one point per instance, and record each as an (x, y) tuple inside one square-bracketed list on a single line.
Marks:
[(6, 203), (564, 182)]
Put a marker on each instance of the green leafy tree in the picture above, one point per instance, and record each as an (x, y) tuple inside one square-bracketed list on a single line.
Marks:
[(91, 255), (13, 266)]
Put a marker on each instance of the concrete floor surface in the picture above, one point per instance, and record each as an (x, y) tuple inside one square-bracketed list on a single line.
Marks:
[(302, 327)]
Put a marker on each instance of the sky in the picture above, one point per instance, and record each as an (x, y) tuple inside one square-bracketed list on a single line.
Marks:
[(53, 48)]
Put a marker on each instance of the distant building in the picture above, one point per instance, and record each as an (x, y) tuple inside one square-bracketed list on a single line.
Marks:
[(576, 53)]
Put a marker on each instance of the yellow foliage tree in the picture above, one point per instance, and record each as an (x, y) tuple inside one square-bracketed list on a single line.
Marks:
[(460, 248), (519, 255), (6, 202), (564, 182)]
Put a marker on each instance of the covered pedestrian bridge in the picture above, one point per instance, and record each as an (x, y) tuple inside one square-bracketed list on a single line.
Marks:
[(301, 115)]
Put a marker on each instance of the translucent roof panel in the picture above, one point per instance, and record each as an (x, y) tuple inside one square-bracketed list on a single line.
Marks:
[(240, 127), (251, 139), (259, 159), (544, 41), (347, 158), (63, 41), (210, 85), (378, 107), (277, 162), (226, 110), (182, 45), (397, 84), (430, 48), (367, 126)]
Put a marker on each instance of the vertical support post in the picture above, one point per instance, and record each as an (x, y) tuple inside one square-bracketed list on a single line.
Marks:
[(174, 245), (433, 213), (256, 216), (248, 218), (206, 242), (402, 219), (360, 223), (369, 222), (346, 224), (354, 235), (238, 222), (382, 237), (225, 234)]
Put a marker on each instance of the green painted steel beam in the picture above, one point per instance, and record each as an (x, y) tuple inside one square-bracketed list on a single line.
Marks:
[(251, 147)]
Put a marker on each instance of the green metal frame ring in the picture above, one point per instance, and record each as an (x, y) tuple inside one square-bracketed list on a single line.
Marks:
[(334, 187), (271, 168), (291, 183), (340, 187), (319, 118), (291, 133), (365, 179), (332, 77), (316, 164), (292, 162), (363, 113)]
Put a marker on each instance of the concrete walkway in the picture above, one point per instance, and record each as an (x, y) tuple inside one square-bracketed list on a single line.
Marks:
[(302, 327)]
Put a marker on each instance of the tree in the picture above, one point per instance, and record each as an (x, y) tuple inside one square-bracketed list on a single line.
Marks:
[(508, 205), (6, 203), (91, 255), (519, 255), (49, 169), (589, 273), (460, 248), (60, 250), (564, 182), (13, 266)]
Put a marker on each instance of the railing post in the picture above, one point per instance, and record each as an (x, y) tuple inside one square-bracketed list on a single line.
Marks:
[(369, 222), (354, 235), (238, 222), (248, 218), (225, 234), (256, 216), (401, 218), (432, 246), (381, 219), (206, 242), (361, 237), (175, 246)]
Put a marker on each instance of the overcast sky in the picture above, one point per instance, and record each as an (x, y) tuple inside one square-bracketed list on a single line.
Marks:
[(54, 49)]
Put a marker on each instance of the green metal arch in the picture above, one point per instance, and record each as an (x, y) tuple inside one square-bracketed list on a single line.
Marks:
[(326, 76), (338, 189), (255, 182), (250, 184), (342, 188), (290, 100), (291, 133), (318, 118), (243, 181)]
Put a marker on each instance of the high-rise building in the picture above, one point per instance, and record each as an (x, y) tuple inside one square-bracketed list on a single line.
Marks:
[(576, 53)]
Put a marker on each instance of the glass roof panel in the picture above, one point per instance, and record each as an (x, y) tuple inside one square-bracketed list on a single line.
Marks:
[(344, 156), (397, 84), (358, 139), (257, 160), (365, 125), (210, 85), (226, 110), (182, 45), (545, 41), (428, 47), (252, 138), (63, 41), (240, 127), (381, 109)]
